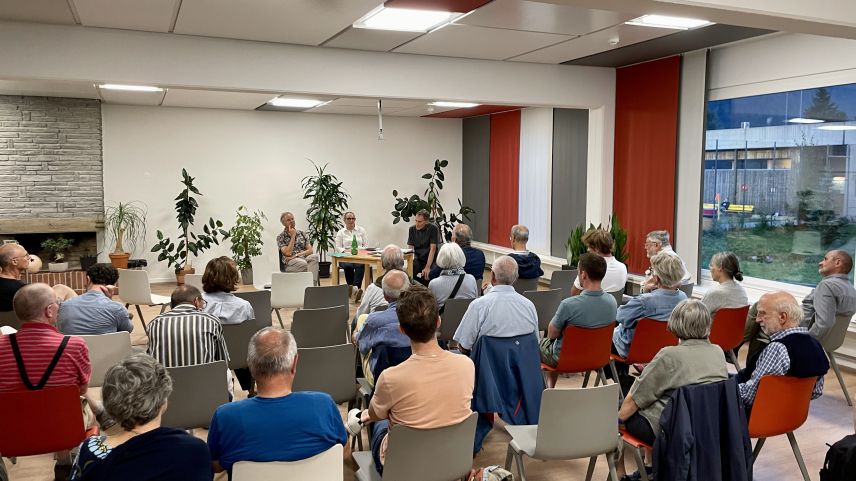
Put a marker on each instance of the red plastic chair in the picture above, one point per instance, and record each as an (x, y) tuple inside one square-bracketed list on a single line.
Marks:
[(51, 416), (584, 350), (637, 446), (727, 330), (780, 407), (650, 336)]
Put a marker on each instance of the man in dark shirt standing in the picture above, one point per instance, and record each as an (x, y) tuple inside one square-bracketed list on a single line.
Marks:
[(423, 238)]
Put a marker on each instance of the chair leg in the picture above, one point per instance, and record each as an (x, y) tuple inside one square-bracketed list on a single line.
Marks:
[(610, 461), (586, 379), (590, 472), (520, 469), (280, 318), (795, 447), (163, 308), (640, 463), (140, 313), (615, 379), (733, 355), (840, 379), (601, 376), (508, 456), (758, 446)]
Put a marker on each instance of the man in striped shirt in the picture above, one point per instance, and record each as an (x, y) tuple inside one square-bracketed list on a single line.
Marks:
[(186, 336)]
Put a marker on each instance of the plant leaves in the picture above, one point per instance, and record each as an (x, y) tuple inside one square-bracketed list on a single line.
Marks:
[(444, 163), (426, 176)]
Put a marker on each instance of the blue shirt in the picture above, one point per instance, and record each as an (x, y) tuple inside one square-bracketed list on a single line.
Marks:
[(502, 312), (657, 305), (381, 328), (93, 313), (588, 309), (288, 428)]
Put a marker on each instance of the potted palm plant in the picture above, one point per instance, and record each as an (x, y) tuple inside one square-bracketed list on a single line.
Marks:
[(327, 202), (124, 221), (57, 247), (177, 255), (246, 237)]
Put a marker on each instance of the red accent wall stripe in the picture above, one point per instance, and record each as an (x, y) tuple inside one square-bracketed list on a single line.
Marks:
[(646, 128), (504, 164)]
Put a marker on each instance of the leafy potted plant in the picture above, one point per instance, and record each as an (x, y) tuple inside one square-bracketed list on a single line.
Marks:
[(574, 248), (57, 247), (177, 256), (619, 240), (246, 237), (124, 220), (407, 207), (327, 203)]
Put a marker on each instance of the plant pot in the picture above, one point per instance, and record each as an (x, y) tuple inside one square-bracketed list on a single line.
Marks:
[(120, 259), (247, 276), (58, 266), (179, 274), (324, 269), (88, 261)]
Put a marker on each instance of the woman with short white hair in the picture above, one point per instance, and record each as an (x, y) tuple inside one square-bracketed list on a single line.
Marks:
[(453, 282)]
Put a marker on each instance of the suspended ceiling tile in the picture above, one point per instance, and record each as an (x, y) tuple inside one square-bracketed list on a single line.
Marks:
[(211, 99), (125, 97), (422, 111), (370, 39), (476, 111), (333, 108), (149, 15), (543, 17), (594, 43), (307, 22), (49, 88), (41, 11), (479, 42), (387, 103)]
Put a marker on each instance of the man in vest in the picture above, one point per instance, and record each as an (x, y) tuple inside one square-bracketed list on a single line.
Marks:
[(791, 352)]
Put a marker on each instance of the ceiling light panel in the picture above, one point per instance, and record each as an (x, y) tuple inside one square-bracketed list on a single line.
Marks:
[(455, 105), (404, 19), (130, 88), (665, 21)]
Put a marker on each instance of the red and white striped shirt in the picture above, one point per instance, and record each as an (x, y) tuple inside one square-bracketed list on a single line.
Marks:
[(38, 343)]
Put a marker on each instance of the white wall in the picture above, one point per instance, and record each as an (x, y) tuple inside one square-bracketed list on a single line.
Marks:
[(257, 159)]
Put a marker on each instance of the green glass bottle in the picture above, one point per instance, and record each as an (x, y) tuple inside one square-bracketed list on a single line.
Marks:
[(354, 248)]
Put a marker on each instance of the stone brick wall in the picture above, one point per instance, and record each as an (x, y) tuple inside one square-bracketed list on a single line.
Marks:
[(50, 158)]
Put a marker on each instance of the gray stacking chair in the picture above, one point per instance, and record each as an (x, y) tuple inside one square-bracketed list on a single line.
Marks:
[(327, 326), (194, 280), (563, 280), (619, 297), (8, 318), (833, 340), (327, 369), (287, 290), (197, 391), (451, 318), (326, 466), (546, 304), (523, 285), (688, 289), (260, 301), (134, 288), (105, 351), (237, 337), (326, 296)]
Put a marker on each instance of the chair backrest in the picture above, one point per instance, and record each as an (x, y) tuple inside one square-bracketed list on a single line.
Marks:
[(194, 280), (546, 305), (430, 454), (134, 286), (523, 285), (835, 337), (8, 318), (728, 326), (585, 349), (388, 356), (197, 391), (619, 297), (237, 337), (650, 336), (326, 466), (105, 351), (589, 429), (326, 296), (380, 308), (287, 288), (329, 369), (563, 280), (260, 301), (688, 289), (54, 413), (327, 326), (451, 318), (780, 406)]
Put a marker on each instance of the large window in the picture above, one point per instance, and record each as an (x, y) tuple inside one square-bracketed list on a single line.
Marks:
[(780, 181)]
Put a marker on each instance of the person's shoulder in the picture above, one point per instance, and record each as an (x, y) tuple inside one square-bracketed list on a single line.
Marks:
[(459, 361), (314, 398), (76, 342)]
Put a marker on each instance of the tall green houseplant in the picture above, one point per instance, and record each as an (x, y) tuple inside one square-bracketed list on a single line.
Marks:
[(176, 256), (246, 237), (327, 202), (124, 221)]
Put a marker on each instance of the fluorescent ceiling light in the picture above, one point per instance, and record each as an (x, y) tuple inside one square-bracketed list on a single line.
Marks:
[(664, 21), (837, 127), (296, 103), (801, 120), (131, 88), (455, 105), (404, 19)]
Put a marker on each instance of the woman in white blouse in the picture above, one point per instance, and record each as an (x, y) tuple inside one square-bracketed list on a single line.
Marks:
[(725, 270)]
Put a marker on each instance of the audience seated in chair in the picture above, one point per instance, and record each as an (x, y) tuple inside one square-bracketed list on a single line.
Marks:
[(727, 293), (344, 238), (528, 263), (657, 242), (135, 394), (592, 308), (693, 361), (382, 328), (462, 235), (792, 350), (94, 312), (431, 389), (295, 249), (599, 241), (391, 258), (423, 237), (14, 261), (277, 424), (453, 282)]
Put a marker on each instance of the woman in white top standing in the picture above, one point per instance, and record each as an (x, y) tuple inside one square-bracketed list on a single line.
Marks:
[(727, 293), (344, 241), (451, 260)]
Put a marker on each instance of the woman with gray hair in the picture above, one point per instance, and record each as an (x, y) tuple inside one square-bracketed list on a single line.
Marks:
[(453, 282), (135, 393), (693, 361), (727, 293)]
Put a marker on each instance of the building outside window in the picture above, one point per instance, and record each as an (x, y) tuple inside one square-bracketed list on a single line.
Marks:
[(780, 181)]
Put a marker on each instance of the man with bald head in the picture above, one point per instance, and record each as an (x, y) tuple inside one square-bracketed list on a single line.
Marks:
[(277, 424), (502, 312), (833, 296), (463, 236), (791, 352), (13, 262)]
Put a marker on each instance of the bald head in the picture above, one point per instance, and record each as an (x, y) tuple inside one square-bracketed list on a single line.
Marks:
[(272, 352), (11, 255), (778, 311), (504, 271), (31, 303), (520, 234), (392, 258), (845, 261), (394, 283)]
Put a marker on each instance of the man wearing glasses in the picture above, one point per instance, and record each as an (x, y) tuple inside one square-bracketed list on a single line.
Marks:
[(656, 242), (14, 260), (344, 241)]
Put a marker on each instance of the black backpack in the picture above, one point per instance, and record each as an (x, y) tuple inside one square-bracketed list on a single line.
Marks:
[(840, 463)]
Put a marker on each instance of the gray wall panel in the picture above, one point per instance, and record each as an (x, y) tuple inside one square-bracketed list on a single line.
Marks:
[(476, 172), (570, 147)]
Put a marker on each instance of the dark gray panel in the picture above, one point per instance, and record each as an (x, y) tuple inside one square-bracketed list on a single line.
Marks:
[(476, 173), (570, 159)]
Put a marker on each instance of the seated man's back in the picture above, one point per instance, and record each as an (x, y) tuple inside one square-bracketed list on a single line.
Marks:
[(186, 336), (93, 313)]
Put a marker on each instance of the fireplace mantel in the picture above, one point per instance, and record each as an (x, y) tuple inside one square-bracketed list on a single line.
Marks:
[(46, 225)]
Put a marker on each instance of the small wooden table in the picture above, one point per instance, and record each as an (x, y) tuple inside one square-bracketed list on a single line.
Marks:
[(368, 260)]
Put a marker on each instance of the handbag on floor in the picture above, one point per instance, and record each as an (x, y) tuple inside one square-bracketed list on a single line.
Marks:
[(840, 462)]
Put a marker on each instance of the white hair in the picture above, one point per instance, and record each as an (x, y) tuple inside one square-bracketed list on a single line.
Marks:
[(505, 270), (451, 256)]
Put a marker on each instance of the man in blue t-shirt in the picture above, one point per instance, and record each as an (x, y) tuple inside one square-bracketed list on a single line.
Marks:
[(277, 424), (591, 308)]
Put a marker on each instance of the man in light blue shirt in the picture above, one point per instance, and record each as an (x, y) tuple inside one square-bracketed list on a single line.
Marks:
[(502, 312), (94, 312), (382, 328)]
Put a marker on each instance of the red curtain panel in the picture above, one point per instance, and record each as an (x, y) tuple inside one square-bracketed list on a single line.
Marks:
[(646, 127), (504, 162)]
